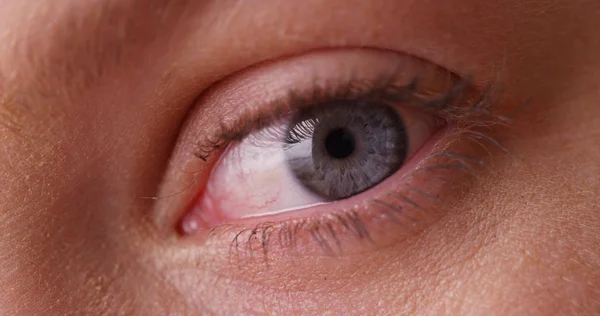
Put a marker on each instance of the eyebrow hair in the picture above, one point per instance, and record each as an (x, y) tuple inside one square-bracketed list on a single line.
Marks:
[(86, 42)]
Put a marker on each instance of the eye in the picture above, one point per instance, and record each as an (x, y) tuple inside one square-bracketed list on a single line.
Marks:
[(322, 154), (327, 146)]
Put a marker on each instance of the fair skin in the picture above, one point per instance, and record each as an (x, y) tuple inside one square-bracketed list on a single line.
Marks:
[(98, 100)]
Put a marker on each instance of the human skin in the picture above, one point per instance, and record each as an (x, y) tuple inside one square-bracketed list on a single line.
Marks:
[(94, 94)]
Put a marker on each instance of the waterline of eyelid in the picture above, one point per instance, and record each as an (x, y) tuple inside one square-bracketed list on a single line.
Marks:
[(285, 210)]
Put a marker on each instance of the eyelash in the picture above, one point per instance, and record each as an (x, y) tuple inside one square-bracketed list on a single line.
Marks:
[(452, 105), (459, 105)]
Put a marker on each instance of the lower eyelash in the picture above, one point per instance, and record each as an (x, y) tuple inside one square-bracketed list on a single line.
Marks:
[(408, 208)]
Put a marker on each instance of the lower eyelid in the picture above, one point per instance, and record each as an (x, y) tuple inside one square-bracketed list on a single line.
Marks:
[(367, 226), (355, 224)]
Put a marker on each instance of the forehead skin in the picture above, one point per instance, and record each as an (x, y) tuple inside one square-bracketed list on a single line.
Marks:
[(92, 95)]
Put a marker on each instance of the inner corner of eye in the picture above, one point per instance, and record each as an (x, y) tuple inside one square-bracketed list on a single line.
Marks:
[(319, 155)]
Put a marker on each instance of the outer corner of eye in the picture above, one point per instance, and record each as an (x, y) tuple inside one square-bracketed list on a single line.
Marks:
[(323, 154)]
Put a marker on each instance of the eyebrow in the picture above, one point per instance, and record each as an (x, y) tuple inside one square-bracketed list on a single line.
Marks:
[(87, 41)]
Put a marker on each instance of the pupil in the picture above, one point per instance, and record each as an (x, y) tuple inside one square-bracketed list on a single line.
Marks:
[(340, 143)]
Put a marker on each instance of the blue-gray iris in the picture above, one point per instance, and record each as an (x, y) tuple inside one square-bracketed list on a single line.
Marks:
[(340, 149)]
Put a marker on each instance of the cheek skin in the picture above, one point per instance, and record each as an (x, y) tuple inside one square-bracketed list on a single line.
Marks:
[(75, 168), (535, 249)]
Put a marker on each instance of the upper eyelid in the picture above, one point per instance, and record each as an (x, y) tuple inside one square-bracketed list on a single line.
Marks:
[(450, 104), (255, 78)]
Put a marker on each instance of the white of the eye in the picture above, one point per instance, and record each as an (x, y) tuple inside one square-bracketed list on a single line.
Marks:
[(301, 150), (254, 179)]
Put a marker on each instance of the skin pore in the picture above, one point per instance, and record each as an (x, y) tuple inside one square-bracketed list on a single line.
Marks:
[(96, 95)]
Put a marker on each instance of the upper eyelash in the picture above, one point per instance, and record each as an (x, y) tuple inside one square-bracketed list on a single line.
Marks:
[(458, 103), (300, 131)]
